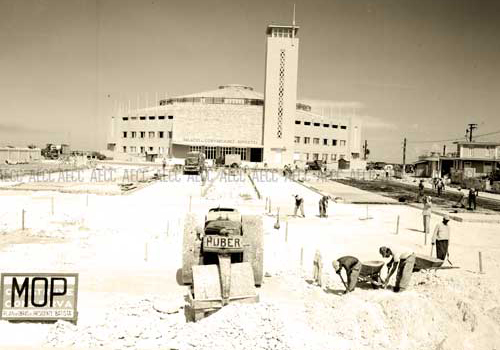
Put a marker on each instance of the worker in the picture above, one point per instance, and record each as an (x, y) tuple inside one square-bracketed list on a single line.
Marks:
[(420, 190), (352, 267), (462, 200), (440, 187), (318, 268), (426, 214), (441, 238), (323, 207), (401, 260), (299, 204), (472, 198)]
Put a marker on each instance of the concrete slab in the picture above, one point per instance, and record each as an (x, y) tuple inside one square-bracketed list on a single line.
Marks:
[(347, 193)]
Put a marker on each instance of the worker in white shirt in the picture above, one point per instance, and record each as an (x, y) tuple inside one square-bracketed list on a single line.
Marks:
[(401, 260), (441, 238)]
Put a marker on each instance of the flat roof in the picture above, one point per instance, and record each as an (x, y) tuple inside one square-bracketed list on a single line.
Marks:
[(484, 143), (271, 26)]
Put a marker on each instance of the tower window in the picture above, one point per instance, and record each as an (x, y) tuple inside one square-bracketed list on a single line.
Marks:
[(326, 125), (297, 122), (307, 123), (161, 117), (297, 139), (335, 126), (343, 127), (316, 124), (142, 118), (152, 117)]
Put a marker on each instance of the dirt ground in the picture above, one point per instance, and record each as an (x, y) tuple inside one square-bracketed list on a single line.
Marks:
[(127, 250)]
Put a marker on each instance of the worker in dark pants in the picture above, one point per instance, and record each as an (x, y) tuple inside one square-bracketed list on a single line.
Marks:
[(441, 238), (420, 190), (403, 261), (440, 187), (299, 205), (323, 207), (472, 199), (352, 267)]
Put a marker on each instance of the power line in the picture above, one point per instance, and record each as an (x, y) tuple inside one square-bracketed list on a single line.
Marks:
[(457, 139)]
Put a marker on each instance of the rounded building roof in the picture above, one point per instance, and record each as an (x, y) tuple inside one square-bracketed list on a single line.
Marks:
[(226, 94)]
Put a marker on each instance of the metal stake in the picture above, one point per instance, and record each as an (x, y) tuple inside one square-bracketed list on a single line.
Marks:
[(480, 262)]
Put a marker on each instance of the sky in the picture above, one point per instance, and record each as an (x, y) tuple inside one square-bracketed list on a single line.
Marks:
[(422, 69)]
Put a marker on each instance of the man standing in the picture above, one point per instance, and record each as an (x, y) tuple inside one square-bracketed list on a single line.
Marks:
[(440, 187), (420, 190), (318, 268), (403, 261), (472, 198), (441, 238), (299, 204), (426, 214), (323, 207), (352, 267)]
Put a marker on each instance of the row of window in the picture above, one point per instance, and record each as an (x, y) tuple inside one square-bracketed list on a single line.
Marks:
[(142, 134), (307, 141), (144, 149), (214, 100), (325, 157), (151, 117), (212, 152), (335, 126)]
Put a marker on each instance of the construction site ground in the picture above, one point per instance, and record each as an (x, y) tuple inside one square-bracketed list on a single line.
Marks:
[(127, 250)]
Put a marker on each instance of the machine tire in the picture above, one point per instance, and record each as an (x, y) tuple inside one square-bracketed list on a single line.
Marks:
[(253, 236), (191, 247)]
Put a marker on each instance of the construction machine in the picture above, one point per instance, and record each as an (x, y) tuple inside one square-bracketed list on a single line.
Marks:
[(222, 261)]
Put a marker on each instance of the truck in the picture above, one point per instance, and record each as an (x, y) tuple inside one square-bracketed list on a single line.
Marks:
[(194, 163)]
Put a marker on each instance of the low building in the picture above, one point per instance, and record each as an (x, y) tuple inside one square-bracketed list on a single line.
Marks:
[(471, 159), (13, 155)]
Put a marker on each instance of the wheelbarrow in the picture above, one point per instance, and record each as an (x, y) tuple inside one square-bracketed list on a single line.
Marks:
[(424, 262), (370, 273)]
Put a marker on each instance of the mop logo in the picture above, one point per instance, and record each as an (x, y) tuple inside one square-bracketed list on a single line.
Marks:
[(39, 297)]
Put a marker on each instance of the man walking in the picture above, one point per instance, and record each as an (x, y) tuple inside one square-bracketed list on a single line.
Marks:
[(299, 204), (403, 261), (352, 267), (426, 214), (441, 238)]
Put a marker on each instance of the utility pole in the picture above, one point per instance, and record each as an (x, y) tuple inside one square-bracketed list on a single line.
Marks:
[(444, 150), (404, 156), (365, 149), (470, 130)]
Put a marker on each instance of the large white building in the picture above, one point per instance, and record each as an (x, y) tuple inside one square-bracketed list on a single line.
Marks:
[(272, 128)]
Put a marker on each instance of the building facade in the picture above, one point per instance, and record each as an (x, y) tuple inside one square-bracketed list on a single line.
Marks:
[(471, 159), (271, 128)]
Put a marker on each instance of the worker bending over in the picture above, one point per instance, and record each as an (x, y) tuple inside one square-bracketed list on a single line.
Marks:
[(352, 267), (403, 261)]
